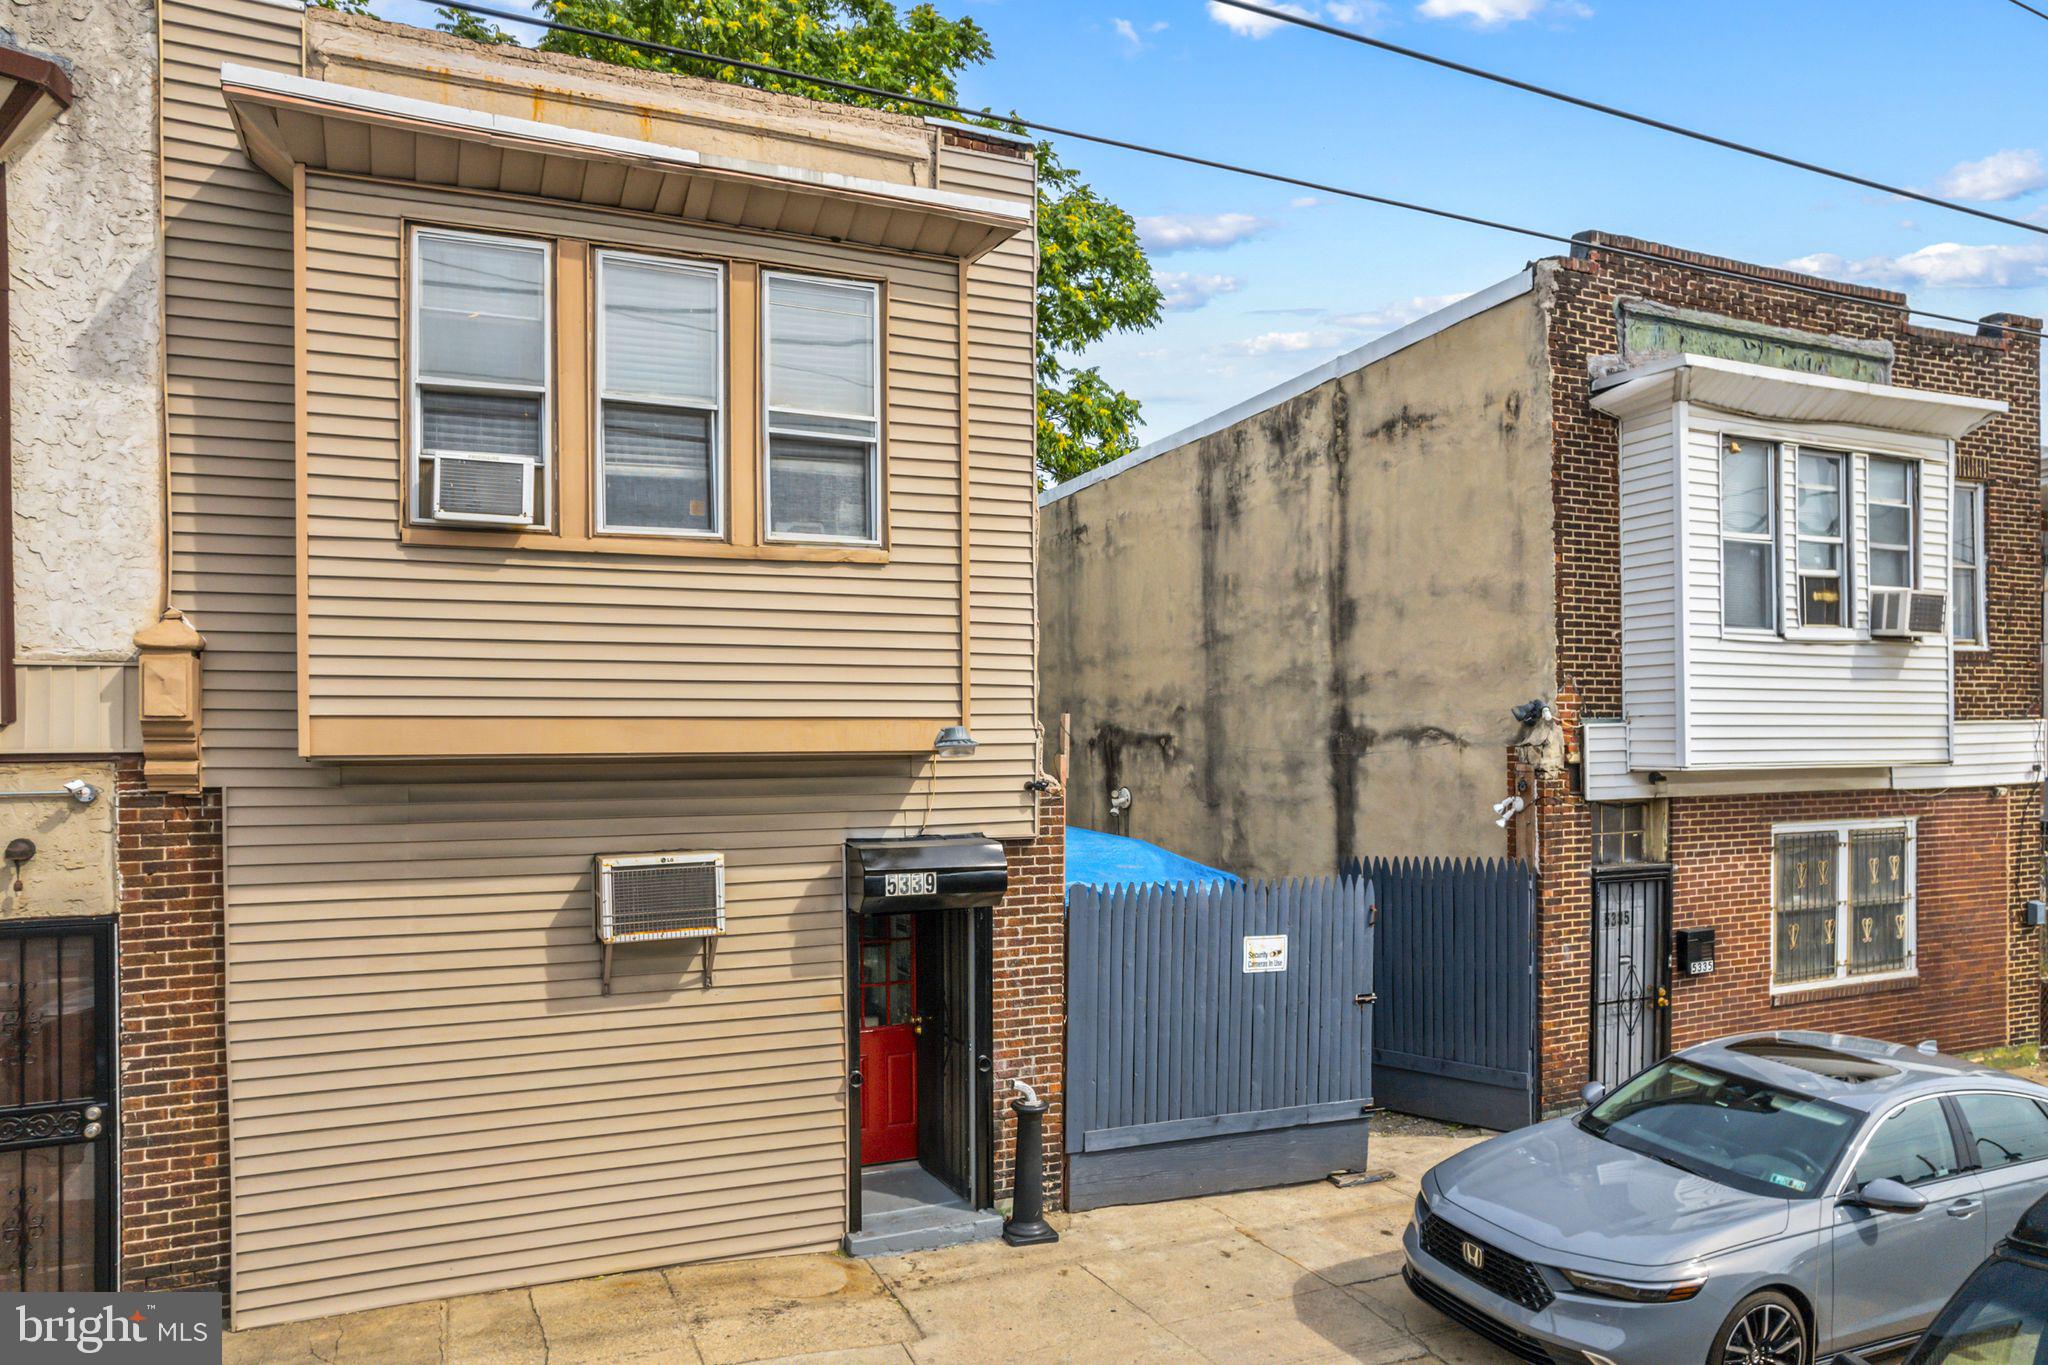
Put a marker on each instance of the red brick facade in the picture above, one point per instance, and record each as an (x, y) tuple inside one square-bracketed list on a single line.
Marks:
[(1979, 849), (173, 1053), (1030, 961)]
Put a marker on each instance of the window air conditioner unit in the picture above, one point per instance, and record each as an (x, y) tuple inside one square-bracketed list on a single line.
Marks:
[(494, 489), (1903, 614), (657, 898)]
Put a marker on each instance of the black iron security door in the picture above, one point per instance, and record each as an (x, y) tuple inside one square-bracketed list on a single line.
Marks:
[(1631, 975), (56, 1106)]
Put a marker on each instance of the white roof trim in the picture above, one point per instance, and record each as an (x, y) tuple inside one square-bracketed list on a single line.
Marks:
[(975, 129), (1789, 395), (575, 141), (1350, 362)]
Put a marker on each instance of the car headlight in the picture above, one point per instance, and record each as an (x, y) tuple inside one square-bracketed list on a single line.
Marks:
[(1636, 1291)]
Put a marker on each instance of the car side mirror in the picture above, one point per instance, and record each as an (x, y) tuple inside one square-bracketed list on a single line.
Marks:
[(1889, 1196), (1592, 1092)]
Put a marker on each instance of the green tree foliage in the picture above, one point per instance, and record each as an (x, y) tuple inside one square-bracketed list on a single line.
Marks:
[(1093, 275), (477, 29), (345, 6)]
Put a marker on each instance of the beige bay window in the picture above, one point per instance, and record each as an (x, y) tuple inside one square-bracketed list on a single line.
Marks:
[(660, 362), (823, 363), (480, 378), (565, 394), (1842, 903)]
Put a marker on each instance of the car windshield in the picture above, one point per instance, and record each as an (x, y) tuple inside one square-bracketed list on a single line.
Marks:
[(1998, 1317), (1730, 1129)]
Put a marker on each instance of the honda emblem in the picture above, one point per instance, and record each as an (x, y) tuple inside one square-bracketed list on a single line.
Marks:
[(1474, 1254)]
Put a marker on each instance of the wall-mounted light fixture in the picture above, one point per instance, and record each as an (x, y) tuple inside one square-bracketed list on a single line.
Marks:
[(955, 739), (78, 789)]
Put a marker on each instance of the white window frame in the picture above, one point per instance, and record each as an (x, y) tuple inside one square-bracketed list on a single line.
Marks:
[(1978, 494), (717, 411), (1842, 829), (1771, 539), (1916, 499), (877, 459), (544, 463), (1844, 540)]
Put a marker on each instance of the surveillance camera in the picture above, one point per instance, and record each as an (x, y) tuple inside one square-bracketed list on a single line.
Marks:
[(1531, 711), (83, 792)]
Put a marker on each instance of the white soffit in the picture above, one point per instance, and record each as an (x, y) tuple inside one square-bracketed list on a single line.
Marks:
[(292, 120), (1764, 391)]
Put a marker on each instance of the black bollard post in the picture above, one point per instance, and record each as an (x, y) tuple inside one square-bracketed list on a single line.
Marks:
[(1026, 1225)]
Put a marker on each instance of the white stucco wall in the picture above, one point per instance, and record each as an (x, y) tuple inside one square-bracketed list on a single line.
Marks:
[(85, 286)]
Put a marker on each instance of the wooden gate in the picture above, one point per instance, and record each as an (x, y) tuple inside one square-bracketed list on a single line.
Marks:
[(1457, 963), (56, 1106), (1218, 1037)]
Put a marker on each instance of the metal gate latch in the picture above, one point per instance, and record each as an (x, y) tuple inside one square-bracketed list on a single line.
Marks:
[(1369, 998)]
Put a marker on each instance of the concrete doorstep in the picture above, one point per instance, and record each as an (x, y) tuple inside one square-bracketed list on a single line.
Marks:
[(1304, 1273)]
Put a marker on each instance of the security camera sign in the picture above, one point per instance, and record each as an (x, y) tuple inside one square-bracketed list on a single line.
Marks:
[(1265, 952)]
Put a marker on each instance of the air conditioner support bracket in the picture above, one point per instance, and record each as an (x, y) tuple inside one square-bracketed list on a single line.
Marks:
[(607, 969), (710, 955)]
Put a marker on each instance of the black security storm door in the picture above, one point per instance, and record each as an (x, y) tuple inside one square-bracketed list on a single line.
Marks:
[(56, 1106)]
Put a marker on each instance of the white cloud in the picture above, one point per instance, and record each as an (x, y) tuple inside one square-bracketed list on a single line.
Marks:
[(1944, 265), (1128, 31), (1283, 343), (1166, 232), (2000, 176), (1357, 13), (1246, 24), (1186, 290), (1494, 13), (1304, 201), (1338, 331), (1399, 313)]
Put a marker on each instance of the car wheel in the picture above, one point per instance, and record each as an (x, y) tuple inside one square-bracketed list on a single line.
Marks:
[(1764, 1329)]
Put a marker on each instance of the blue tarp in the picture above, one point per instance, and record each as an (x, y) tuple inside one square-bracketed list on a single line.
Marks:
[(1095, 859)]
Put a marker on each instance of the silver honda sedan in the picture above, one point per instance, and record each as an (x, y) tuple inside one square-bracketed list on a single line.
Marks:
[(1766, 1199)]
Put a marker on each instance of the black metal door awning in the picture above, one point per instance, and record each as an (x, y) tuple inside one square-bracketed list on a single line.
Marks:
[(927, 872)]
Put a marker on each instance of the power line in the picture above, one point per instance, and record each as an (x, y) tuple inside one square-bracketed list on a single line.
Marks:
[(2038, 14), (1187, 158), (1661, 125)]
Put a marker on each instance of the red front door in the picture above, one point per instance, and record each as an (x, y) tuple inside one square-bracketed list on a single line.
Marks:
[(888, 1039)]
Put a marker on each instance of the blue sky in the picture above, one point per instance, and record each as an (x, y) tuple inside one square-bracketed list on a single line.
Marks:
[(1946, 96)]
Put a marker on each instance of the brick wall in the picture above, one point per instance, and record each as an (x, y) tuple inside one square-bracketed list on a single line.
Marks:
[(174, 1142), (1721, 877), (1721, 845), (1030, 960)]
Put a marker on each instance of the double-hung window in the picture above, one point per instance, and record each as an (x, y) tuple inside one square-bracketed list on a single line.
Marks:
[(1843, 903), (1749, 535), (1966, 564), (480, 378), (660, 359), (1820, 509), (1894, 505), (824, 409)]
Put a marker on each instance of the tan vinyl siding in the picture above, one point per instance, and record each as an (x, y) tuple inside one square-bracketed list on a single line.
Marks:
[(74, 708), (428, 1093)]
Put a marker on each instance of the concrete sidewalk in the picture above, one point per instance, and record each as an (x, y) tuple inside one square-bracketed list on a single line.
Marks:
[(1308, 1272)]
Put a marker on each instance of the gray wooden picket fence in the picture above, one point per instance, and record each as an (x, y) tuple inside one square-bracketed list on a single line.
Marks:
[(1456, 1035), (1193, 1064)]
